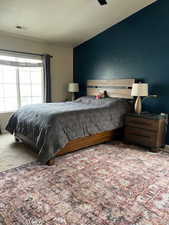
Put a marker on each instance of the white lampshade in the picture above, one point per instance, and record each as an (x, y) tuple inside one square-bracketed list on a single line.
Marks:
[(139, 89), (73, 87)]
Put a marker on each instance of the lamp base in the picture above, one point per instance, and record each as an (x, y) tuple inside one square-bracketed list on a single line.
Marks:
[(138, 105), (73, 96)]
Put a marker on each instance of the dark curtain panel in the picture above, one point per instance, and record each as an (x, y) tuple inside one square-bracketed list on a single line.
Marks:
[(47, 78)]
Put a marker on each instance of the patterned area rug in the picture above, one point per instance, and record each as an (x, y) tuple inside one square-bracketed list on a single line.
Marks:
[(101, 185)]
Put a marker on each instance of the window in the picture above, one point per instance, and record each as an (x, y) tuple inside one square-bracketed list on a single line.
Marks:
[(21, 82)]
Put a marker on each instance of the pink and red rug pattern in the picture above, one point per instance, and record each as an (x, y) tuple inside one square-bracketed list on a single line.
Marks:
[(102, 185)]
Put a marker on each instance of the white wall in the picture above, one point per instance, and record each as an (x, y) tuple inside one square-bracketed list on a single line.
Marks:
[(61, 64)]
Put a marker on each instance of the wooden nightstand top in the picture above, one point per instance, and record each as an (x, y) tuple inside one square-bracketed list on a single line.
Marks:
[(152, 116)]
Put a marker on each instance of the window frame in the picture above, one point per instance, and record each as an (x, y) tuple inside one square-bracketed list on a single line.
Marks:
[(18, 84)]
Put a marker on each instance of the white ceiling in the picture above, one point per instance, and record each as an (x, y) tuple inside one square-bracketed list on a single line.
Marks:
[(69, 22)]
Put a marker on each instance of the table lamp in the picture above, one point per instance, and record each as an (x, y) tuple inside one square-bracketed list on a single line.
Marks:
[(139, 90), (73, 87)]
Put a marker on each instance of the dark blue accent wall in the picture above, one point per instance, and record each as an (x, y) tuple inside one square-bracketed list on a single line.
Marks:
[(137, 47)]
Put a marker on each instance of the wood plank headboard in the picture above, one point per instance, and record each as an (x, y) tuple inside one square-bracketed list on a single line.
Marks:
[(119, 88)]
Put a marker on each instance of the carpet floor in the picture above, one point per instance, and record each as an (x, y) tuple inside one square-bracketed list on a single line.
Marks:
[(101, 185), (13, 154)]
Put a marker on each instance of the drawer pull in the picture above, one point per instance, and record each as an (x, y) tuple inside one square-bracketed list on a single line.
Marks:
[(146, 136)]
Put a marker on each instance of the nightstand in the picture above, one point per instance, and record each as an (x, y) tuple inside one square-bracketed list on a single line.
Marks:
[(146, 129)]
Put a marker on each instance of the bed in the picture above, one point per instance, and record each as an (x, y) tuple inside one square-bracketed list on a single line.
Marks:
[(54, 129)]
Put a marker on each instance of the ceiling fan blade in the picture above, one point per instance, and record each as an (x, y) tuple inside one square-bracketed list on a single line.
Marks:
[(102, 2)]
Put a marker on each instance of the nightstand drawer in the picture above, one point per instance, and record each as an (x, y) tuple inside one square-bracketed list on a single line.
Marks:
[(140, 132), (143, 140), (142, 123), (146, 129)]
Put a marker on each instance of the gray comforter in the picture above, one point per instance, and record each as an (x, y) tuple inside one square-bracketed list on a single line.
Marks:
[(52, 125)]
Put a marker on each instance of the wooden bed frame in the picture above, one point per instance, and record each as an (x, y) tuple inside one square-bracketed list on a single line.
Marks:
[(78, 143), (120, 88)]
